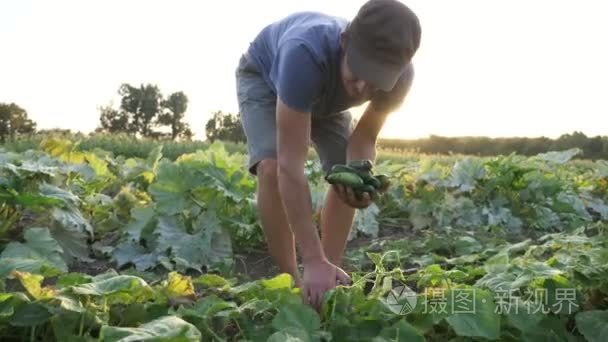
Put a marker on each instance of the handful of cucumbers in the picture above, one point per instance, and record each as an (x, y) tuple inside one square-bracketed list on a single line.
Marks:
[(358, 175)]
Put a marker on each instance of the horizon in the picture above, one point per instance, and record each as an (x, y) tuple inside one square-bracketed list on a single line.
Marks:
[(497, 70)]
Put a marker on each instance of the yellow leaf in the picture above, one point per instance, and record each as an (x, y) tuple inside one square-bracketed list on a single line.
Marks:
[(31, 282), (179, 285)]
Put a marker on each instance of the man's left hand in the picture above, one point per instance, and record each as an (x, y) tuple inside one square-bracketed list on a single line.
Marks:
[(347, 195)]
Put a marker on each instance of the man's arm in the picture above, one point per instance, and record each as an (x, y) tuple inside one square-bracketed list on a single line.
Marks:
[(362, 144), (293, 136)]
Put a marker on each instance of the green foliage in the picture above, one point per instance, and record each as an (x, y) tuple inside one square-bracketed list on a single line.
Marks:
[(480, 235)]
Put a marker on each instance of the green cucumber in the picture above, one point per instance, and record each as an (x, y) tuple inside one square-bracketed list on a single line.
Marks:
[(373, 181), (362, 165), (366, 188), (342, 168), (384, 182), (345, 178)]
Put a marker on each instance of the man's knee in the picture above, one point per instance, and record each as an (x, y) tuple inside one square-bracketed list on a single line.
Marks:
[(266, 170)]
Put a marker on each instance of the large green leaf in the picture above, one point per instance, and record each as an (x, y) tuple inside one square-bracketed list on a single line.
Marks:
[(72, 229), (524, 315), (207, 307), (172, 188), (120, 288), (402, 331), (143, 220), (476, 320), (167, 328), (465, 173), (298, 316), (210, 246), (366, 222), (292, 335), (593, 325), (560, 157), (30, 314), (39, 254), (129, 252)]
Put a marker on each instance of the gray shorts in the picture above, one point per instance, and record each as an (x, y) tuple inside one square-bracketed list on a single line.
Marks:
[(257, 107)]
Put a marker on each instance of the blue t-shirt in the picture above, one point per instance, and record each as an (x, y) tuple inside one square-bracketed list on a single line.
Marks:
[(299, 57)]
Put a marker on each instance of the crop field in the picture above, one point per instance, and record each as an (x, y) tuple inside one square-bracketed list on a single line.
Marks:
[(97, 245)]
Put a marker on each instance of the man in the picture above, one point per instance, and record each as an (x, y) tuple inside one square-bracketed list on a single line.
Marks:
[(295, 84)]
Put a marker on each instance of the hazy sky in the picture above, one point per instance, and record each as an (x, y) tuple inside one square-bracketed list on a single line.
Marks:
[(492, 68)]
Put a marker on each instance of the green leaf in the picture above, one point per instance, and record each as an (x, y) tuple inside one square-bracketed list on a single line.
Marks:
[(465, 173), (467, 245), (66, 325), (209, 247), (120, 288), (211, 280), (207, 307), (560, 157), (550, 329), (402, 331), (593, 325), (292, 335), (366, 222), (256, 307), (167, 328), (30, 314), (172, 188), (525, 316), (479, 320), (129, 252), (39, 254), (297, 316), (7, 307), (73, 278), (143, 220)]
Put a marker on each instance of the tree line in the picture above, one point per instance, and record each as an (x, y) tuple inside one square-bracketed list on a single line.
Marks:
[(145, 112), (144, 109), (593, 147)]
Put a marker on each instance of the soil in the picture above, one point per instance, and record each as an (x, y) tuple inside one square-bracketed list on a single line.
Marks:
[(256, 264)]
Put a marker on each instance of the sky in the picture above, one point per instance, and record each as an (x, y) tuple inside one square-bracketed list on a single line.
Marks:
[(484, 67)]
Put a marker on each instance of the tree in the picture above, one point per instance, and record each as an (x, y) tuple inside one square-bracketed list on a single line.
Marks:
[(139, 110), (173, 114), (142, 105), (114, 121), (224, 126), (14, 121)]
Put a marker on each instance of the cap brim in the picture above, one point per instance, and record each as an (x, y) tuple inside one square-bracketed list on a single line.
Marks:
[(380, 75)]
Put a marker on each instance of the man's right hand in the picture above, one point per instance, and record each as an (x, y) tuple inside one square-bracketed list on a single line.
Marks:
[(320, 276)]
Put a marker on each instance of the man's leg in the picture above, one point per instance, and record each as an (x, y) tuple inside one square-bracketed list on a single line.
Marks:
[(279, 237), (330, 137), (257, 106)]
